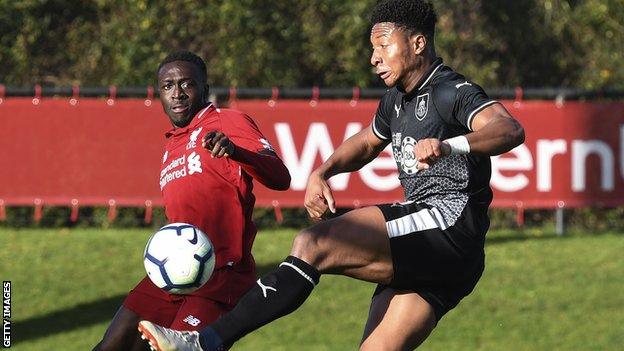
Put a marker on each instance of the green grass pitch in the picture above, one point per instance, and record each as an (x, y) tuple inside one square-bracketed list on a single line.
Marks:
[(537, 293)]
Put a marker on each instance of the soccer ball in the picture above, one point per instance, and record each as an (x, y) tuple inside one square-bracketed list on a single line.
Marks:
[(179, 258)]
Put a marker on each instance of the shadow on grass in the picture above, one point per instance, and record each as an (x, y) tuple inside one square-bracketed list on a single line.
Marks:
[(82, 315), (79, 316)]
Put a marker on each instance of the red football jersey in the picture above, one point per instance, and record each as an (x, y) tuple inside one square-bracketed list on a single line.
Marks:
[(215, 194)]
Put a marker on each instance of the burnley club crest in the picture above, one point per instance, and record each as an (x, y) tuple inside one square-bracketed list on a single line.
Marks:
[(422, 106)]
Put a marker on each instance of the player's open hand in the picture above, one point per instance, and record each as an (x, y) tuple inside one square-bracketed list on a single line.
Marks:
[(318, 197), (218, 144), (429, 151)]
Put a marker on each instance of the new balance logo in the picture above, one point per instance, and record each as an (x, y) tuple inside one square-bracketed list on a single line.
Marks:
[(192, 320), (194, 163), (265, 288)]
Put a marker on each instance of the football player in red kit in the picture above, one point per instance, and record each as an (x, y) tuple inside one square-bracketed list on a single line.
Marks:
[(210, 159)]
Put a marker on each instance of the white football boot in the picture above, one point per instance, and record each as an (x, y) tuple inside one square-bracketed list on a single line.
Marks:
[(165, 339)]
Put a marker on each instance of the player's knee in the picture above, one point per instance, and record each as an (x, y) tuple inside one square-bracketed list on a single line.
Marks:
[(309, 245)]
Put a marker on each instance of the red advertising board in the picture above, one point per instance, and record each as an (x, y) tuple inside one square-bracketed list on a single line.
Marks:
[(96, 150)]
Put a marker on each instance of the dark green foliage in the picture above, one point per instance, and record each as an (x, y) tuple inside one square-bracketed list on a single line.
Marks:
[(252, 43)]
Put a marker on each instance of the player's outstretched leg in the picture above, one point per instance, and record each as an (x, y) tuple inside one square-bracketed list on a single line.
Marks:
[(355, 244), (274, 295), (397, 320), (122, 334)]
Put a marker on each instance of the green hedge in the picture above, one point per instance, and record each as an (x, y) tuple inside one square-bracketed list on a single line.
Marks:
[(252, 43)]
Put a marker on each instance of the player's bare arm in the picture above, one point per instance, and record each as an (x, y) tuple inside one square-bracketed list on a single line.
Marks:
[(352, 155), (495, 132)]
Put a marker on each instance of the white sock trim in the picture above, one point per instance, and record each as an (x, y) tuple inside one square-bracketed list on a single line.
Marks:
[(299, 271)]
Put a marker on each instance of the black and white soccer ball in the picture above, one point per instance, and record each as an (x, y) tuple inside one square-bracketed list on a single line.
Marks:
[(179, 258)]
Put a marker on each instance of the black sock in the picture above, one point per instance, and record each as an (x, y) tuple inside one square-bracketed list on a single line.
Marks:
[(274, 295)]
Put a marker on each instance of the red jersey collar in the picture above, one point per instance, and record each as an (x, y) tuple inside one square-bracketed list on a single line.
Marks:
[(193, 123)]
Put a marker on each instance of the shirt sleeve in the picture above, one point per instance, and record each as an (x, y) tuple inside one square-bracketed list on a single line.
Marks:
[(254, 153), (382, 118), (244, 132), (470, 99)]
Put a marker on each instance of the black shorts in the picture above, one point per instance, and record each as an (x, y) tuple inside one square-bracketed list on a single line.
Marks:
[(439, 262)]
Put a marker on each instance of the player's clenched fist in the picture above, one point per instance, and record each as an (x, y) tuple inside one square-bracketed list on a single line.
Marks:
[(218, 144), (318, 197), (429, 151)]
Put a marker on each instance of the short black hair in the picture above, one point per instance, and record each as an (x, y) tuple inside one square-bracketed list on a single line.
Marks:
[(413, 15), (186, 56)]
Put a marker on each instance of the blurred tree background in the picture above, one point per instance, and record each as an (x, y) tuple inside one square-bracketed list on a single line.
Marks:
[(263, 43)]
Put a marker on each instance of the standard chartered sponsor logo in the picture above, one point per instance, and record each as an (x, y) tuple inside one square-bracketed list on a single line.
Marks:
[(173, 164), (171, 176), (180, 167), (194, 163)]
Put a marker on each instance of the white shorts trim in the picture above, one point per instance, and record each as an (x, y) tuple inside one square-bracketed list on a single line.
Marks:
[(416, 222)]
